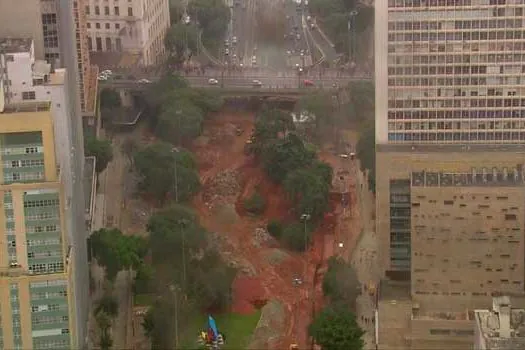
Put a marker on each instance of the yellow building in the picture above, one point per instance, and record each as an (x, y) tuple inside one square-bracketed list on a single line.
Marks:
[(36, 291)]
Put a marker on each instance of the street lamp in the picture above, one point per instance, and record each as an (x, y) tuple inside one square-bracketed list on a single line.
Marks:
[(173, 290), (351, 35), (175, 150), (183, 223), (305, 218)]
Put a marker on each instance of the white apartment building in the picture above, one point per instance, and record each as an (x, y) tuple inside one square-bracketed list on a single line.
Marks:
[(132, 26), (26, 79)]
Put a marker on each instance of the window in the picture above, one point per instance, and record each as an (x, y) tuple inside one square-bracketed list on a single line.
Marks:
[(9, 58), (107, 25), (117, 11), (97, 25), (117, 25), (106, 10), (99, 44), (108, 44), (90, 43), (130, 11), (28, 95), (118, 44), (88, 25), (97, 10), (87, 10)]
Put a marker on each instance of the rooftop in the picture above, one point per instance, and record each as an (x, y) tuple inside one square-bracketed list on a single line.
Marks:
[(502, 328), (57, 78), (15, 45), (27, 107)]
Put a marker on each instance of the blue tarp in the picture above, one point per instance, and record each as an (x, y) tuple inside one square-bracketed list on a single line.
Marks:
[(213, 326)]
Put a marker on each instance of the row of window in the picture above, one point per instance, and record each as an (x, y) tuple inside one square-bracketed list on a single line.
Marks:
[(473, 125), (39, 320), (48, 307), (455, 69), (407, 47), (471, 57), (458, 36), (448, 102), (109, 44), (48, 295), (29, 163), (107, 25), (456, 136), (440, 23), (450, 82), (442, 3), (52, 267), (48, 283), (40, 229), (43, 242), (13, 150), (107, 12), (27, 176), (44, 255), (50, 344), (41, 203), (49, 215)]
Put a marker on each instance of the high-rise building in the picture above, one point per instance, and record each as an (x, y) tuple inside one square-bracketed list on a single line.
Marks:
[(35, 100), (40, 21), (136, 27), (450, 144), (36, 262)]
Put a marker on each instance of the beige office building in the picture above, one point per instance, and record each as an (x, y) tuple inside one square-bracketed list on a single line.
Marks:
[(36, 263), (450, 142), (135, 27)]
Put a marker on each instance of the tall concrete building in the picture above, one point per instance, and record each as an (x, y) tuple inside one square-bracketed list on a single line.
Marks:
[(40, 20), (136, 27), (42, 242), (450, 148)]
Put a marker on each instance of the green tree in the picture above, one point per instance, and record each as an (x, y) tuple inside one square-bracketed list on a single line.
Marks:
[(104, 324), (340, 283), (144, 279), (208, 101), (336, 328), (161, 167), (179, 122), (210, 281), (213, 17), (319, 106), (296, 236), (361, 104), (116, 252), (284, 155), (100, 149), (108, 304), (172, 230), (275, 228), (308, 190), (161, 92), (181, 42), (110, 98), (366, 152), (256, 204)]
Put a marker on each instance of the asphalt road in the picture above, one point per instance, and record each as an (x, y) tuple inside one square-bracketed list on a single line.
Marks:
[(326, 47)]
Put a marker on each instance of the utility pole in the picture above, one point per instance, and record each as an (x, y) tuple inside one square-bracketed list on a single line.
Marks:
[(173, 289), (351, 35), (305, 218), (175, 150), (182, 224)]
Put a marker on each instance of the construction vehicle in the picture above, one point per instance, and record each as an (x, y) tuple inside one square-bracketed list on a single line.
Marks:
[(294, 347)]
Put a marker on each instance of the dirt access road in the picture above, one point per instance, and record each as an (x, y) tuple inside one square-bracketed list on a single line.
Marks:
[(266, 271)]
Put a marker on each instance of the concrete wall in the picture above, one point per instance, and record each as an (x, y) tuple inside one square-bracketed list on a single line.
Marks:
[(381, 70)]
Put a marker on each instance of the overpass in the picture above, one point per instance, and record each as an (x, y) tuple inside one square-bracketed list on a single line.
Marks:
[(243, 84)]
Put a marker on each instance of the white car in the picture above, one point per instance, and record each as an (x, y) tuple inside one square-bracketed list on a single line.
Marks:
[(144, 81), (234, 40), (256, 82), (212, 81), (102, 77), (106, 72)]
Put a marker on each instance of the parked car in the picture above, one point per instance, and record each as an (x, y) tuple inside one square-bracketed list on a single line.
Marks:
[(308, 82), (256, 83), (102, 77), (213, 81), (144, 81)]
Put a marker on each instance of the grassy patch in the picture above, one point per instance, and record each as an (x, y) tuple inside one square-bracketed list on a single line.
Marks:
[(237, 329), (143, 299)]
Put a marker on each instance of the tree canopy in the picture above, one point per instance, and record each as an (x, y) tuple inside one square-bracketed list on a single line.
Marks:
[(165, 169), (340, 283), (181, 42), (336, 328), (115, 251), (110, 98), (100, 149), (213, 17), (334, 14)]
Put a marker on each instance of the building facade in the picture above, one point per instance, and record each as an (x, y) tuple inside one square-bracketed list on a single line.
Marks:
[(450, 135), (37, 301), (40, 21), (136, 27)]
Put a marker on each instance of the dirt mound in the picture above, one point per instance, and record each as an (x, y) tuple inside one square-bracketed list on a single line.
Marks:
[(276, 256), (226, 183), (260, 236), (247, 293), (270, 327), (223, 134)]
